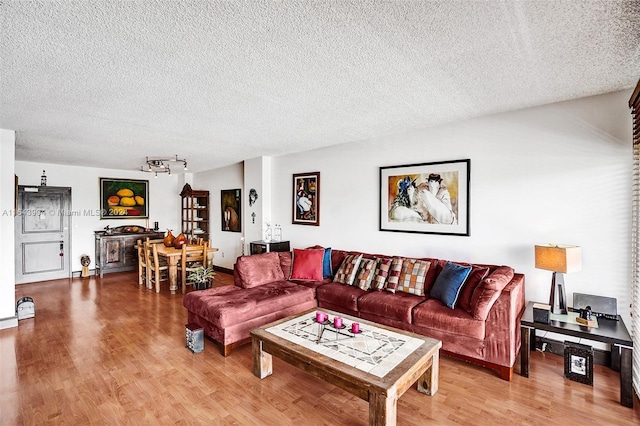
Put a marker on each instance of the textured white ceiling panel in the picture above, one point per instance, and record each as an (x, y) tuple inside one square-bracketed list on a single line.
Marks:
[(107, 83)]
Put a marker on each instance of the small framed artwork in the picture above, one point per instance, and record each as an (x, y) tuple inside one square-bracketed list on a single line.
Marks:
[(306, 199), (124, 198), (231, 205), (428, 198), (578, 363)]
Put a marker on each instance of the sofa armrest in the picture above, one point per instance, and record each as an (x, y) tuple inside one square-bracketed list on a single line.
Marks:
[(502, 328)]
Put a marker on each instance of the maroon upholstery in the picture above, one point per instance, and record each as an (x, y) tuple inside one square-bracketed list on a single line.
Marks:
[(258, 269), (228, 305), (433, 314), (397, 306), (489, 334), (488, 291), (342, 295)]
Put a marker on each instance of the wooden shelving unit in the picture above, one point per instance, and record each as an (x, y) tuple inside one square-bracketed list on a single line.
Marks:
[(195, 213)]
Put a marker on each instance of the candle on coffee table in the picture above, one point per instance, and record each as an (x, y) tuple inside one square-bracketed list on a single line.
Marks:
[(337, 322), (355, 327), (319, 316)]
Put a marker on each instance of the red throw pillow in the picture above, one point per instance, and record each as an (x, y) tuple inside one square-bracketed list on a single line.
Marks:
[(307, 264)]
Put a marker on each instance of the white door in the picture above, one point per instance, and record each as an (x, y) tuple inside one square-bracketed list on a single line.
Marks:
[(42, 236)]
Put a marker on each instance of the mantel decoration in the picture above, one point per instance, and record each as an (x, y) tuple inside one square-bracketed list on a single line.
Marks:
[(124, 198), (306, 199), (157, 165), (428, 198)]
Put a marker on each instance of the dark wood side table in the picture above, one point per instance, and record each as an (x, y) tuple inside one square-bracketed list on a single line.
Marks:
[(608, 331), (258, 247)]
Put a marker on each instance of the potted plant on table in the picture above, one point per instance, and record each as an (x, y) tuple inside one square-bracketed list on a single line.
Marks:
[(201, 277)]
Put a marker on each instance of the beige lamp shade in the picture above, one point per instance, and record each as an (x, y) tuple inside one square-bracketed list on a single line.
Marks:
[(559, 258)]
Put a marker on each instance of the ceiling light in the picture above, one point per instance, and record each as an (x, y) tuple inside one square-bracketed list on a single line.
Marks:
[(160, 165)]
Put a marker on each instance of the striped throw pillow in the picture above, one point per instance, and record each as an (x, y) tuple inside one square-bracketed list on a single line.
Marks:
[(365, 273)]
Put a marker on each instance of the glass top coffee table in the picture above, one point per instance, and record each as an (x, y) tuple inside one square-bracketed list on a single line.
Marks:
[(377, 365)]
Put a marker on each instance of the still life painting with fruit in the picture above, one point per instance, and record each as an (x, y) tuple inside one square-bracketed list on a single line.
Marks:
[(123, 198)]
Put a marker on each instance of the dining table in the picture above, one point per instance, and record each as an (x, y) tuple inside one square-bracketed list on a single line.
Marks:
[(173, 256)]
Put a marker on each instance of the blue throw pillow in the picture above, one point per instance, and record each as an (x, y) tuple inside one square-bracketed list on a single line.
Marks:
[(448, 284), (327, 272)]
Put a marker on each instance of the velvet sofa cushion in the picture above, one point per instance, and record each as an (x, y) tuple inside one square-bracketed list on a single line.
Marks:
[(307, 264), (488, 291), (258, 269), (478, 273), (449, 282), (285, 262), (229, 305), (433, 314), (396, 306), (342, 295)]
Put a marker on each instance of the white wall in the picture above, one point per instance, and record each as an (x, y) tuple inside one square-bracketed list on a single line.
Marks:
[(163, 202), (229, 243), (554, 174), (7, 202)]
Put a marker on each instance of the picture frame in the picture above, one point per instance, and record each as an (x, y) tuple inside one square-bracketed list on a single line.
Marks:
[(231, 210), (124, 198), (578, 362), (306, 199), (427, 198)]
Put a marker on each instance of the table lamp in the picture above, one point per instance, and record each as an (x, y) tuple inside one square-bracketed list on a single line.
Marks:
[(560, 259)]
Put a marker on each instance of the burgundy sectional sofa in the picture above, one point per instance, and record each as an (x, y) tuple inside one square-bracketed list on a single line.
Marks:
[(482, 328)]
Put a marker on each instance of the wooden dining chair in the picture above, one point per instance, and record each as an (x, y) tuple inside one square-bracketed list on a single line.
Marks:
[(190, 261), (157, 270), (142, 264)]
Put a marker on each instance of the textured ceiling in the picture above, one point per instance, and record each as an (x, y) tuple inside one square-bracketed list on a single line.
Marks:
[(106, 83)]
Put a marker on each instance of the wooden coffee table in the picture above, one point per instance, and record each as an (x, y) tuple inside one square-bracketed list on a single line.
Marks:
[(378, 365)]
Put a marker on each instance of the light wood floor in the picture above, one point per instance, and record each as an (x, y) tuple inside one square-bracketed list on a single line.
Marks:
[(110, 352)]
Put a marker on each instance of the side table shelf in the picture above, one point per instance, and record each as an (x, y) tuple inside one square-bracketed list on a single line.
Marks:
[(608, 331), (257, 247)]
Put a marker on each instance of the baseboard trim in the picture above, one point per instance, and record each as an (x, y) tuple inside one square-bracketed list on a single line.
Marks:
[(221, 269), (10, 322)]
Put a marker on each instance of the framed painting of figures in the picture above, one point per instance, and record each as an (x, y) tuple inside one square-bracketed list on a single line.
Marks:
[(306, 199), (429, 198)]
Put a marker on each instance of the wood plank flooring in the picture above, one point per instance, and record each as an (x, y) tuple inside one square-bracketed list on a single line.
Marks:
[(107, 351)]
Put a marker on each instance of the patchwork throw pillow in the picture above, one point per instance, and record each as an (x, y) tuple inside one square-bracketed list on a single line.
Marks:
[(381, 274), (477, 274), (412, 276), (447, 286), (348, 269), (394, 275), (307, 264), (366, 270)]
